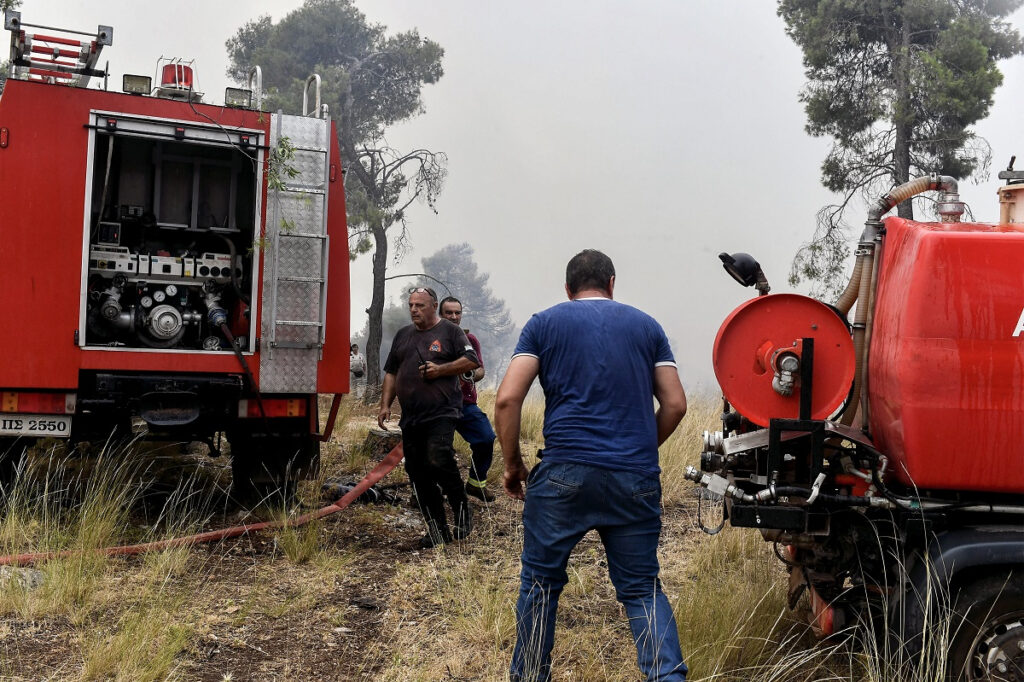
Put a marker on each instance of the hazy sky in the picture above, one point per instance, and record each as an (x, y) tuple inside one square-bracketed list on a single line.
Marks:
[(660, 131)]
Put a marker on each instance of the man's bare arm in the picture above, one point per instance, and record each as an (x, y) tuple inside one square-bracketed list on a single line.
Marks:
[(508, 416), (458, 366), (671, 400), (387, 396)]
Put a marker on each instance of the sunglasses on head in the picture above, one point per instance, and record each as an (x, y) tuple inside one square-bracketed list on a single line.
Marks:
[(423, 290)]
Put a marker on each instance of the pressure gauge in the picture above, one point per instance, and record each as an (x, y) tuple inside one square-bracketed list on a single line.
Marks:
[(159, 296), (171, 290), (146, 302)]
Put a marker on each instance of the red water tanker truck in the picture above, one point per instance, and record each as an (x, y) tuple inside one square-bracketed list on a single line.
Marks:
[(883, 453), (166, 261)]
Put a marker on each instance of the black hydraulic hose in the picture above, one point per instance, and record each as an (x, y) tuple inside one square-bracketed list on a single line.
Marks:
[(245, 367), (876, 480), (847, 500), (234, 274), (918, 503)]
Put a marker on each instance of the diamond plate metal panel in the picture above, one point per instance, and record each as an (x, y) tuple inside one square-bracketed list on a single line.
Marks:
[(289, 372), (305, 132), (299, 257), (310, 167), (288, 335), (297, 210), (298, 301), (301, 213)]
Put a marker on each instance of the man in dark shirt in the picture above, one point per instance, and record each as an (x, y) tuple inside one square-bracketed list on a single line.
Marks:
[(422, 369)]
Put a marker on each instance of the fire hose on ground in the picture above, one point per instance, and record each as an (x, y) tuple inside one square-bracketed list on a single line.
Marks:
[(376, 474)]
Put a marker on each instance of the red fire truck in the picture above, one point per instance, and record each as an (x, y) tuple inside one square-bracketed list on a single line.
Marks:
[(166, 260), (883, 453)]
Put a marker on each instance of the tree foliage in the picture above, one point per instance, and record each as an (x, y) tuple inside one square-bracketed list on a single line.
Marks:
[(370, 81), (483, 313), (897, 85)]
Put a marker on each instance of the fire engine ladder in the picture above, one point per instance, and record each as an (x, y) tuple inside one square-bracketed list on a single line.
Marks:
[(296, 247), (54, 59)]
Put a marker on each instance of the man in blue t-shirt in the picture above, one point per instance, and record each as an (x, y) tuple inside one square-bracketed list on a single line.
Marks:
[(599, 363)]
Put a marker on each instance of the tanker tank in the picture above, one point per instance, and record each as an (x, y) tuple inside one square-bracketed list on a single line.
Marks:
[(946, 372)]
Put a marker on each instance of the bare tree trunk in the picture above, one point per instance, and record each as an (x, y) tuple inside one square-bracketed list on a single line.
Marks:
[(376, 312), (903, 119)]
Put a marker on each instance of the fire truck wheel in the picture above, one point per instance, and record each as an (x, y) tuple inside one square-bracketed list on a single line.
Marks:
[(986, 632), (266, 467)]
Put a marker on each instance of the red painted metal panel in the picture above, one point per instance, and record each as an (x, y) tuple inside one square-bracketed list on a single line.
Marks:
[(757, 329), (42, 191), (946, 372), (332, 373)]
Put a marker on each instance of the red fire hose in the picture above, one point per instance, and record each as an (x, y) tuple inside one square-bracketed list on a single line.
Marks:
[(378, 472)]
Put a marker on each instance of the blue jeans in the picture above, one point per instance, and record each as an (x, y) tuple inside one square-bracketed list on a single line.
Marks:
[(563, 501), (475, 429)]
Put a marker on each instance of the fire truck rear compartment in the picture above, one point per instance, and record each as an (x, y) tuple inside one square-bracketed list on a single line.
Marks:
[(172, 217)]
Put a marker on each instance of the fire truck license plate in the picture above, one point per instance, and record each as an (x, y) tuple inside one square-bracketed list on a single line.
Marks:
[(43, 425)]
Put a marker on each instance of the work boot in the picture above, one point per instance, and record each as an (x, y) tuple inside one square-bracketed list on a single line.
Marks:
[(463, 522), (478, 489), (436, 535)]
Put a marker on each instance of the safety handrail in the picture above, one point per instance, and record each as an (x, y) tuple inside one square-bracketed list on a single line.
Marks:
[(257, 92), (315, 78)]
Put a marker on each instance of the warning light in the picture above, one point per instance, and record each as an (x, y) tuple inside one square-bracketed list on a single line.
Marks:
[(176, 76)]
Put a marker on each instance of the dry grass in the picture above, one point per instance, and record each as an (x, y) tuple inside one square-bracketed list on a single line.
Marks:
[(442, 614)]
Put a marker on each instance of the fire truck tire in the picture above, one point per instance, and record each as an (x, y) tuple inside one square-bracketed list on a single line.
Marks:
[(986, 632), (266, 467)]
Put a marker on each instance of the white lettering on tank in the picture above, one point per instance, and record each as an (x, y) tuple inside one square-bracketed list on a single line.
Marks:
[(1020, 325)]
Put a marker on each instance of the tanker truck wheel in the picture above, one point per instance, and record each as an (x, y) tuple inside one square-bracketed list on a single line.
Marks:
[(265, 466), (986, 632)]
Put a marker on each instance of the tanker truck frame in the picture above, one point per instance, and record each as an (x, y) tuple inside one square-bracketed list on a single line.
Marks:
[(165, 260), (883, 455)]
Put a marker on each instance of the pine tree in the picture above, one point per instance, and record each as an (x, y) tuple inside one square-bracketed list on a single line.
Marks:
[(897, 85)]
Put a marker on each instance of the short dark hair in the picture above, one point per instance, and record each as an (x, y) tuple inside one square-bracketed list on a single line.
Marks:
[(589, 269), (448, 299)]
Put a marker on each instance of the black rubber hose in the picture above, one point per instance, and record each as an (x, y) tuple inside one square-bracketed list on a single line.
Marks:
[(234, 274), (245, 367)]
